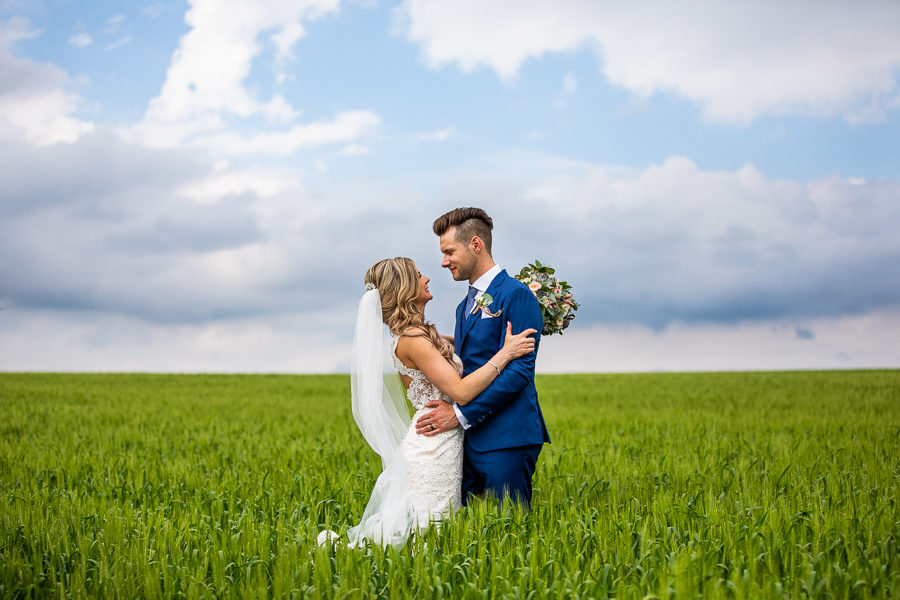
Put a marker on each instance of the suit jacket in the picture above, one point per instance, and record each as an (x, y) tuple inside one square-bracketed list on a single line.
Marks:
[(506, 414)]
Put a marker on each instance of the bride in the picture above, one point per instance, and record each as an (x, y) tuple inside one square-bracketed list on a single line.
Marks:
[(421, 476)]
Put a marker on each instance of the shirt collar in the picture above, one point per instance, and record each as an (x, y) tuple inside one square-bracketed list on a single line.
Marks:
[(484, 282)]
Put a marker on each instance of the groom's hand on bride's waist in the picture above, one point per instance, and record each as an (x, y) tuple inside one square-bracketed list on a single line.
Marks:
[(441, 419)]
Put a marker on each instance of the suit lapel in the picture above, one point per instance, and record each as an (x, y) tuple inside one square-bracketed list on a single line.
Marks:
[(469, 322)]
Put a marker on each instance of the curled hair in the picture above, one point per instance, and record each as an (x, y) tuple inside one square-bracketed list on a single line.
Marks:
[(397, 282), (469, 222)]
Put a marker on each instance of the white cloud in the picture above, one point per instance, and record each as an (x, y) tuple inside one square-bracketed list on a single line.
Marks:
[(205, 79), (154, 10), (17, 28), (265, 182), (354, 150), (279, 110), (206, 100), (737, 60), (81, 39), (286, 37), (113, 23), (284, 41), (439, 135), (346, 126), (118, 43), (34, 103)]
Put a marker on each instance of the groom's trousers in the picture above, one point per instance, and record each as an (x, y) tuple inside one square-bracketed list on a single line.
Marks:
[(502, 473)]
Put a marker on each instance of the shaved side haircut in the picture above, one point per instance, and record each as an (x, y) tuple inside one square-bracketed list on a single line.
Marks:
[(469, 222)]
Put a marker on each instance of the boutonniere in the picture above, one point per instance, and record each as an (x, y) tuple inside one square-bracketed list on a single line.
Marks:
[(482, 303)]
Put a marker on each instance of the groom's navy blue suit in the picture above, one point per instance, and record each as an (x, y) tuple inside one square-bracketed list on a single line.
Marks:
[(507, 428)]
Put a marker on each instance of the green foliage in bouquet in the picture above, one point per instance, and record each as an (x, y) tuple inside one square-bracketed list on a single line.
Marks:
[(555, 296)]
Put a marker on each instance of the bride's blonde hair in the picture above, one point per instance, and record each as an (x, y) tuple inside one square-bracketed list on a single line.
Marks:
[(397, 282)]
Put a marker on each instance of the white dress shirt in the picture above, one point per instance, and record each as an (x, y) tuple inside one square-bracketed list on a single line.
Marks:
[(481, 284)]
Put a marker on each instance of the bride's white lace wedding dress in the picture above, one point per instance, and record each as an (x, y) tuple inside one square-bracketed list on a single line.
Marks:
[(421, 477), (434, 463)]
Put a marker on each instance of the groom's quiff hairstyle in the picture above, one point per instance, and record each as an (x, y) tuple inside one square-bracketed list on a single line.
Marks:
[(469, 222)]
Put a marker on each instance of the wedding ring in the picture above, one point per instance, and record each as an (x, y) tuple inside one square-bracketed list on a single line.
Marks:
[(432, 426)]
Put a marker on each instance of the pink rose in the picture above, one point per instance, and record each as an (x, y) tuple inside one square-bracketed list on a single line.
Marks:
[(534, 286)]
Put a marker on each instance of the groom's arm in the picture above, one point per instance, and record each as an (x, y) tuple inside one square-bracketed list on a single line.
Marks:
[(523, 311)]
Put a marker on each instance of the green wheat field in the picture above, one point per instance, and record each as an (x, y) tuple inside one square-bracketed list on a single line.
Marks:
[(726, 485)]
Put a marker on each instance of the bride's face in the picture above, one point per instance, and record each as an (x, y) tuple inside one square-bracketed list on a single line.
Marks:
[(424, 294)]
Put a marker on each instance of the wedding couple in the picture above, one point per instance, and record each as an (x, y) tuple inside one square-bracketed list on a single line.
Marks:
[(477, 427)]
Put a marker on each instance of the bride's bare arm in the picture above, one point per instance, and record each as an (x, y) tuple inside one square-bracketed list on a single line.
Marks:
[(419, 351)]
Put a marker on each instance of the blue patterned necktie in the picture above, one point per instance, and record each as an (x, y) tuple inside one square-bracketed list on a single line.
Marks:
[(470, 300)]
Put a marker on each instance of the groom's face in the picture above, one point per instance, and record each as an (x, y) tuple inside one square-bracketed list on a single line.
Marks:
[(458, 256)]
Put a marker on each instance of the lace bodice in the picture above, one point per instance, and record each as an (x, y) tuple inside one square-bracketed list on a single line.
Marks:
[(421, 391)]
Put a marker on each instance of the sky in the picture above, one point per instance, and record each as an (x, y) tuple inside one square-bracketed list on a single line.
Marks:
[(200, 186)]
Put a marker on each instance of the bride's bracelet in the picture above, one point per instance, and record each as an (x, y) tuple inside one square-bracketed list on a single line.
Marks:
[(495, 366)]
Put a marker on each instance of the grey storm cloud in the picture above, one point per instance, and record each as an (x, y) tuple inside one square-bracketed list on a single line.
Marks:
[(100, 225), (103, 225), (673, 243), (192, 227), (94, 225), (98, 175)]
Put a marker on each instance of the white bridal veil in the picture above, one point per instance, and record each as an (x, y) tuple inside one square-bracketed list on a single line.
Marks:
[(379, 409)]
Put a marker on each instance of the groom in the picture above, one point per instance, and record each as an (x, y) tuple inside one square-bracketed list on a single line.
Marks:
[(504, 426)]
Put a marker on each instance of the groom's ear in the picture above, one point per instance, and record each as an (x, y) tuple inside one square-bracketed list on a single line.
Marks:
[(477, 244)]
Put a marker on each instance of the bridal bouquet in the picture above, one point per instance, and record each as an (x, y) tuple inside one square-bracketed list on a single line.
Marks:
[(557, 304)]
